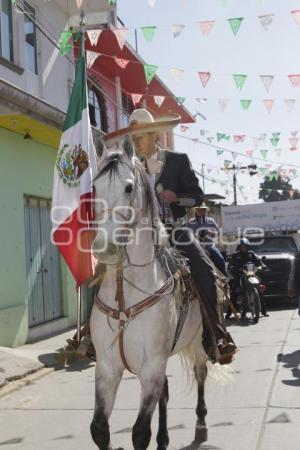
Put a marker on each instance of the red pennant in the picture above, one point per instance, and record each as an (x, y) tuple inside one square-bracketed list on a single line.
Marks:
[(204, 77)]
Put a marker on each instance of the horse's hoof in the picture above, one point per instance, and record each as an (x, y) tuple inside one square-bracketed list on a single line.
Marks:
[(200, 435)]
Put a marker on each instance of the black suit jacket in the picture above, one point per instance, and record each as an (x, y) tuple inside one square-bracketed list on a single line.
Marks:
[(177, 175)]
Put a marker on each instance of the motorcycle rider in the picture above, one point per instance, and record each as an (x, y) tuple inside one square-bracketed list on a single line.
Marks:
[(242, 256)]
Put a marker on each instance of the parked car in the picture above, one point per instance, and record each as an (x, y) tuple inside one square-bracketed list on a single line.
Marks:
[(281, 254)]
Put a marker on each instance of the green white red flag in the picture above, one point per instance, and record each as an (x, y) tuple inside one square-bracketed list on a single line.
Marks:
[(74, 171)]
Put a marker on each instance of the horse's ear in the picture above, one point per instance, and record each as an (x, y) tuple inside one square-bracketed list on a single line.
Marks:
[(128, 147), (100, 148)]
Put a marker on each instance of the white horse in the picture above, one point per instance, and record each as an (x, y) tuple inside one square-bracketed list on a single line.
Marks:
[(139, 339)]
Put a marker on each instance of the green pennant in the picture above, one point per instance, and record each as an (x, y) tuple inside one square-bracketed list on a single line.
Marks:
[(64, 42), (245, 104), (227, 163), (13, 2), (220, 152), (239, 80), (269, 191), (221, 136), (262, 170), (274, 141), (264, 153), (148, 33), (276, 135), (235, 24), (180, 100), (150, 72), (111, 2), (273, 176)]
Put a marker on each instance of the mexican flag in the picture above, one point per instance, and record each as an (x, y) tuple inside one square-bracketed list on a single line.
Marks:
[(74, 171)]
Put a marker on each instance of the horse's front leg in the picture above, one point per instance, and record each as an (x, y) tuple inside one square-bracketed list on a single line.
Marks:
[(107, 382), (152, 378), (162, 438)]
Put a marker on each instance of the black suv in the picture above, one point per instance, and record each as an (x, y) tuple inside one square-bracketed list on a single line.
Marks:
[(281, 254)]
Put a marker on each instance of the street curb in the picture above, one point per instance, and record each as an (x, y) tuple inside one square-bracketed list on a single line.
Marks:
[(16, 385)]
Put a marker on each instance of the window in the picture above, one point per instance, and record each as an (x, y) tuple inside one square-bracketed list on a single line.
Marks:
[(97, 111), (127, 110), (30, 38), (6, 38)]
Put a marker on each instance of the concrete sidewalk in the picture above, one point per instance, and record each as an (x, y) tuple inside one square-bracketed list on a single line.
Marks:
[(16, 363)]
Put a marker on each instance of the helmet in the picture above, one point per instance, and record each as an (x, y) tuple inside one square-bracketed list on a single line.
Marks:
[(244, 241)]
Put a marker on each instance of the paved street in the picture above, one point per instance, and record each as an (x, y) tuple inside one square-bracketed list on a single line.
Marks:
[(259, 410)]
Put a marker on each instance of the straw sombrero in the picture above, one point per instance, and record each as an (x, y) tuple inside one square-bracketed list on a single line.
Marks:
[(141, 121)]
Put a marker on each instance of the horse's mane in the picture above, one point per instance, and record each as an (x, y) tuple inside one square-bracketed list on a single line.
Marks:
[(111, 166)]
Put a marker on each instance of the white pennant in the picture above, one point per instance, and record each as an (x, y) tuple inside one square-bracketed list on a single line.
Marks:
[(91, 58), (223, 102), (177, 30), (151, 3), (121, 35), (290, 103), (136, 98), (177, 74), (266, 21), (94, 36), (159, 99), (79, 3), (267, 81)]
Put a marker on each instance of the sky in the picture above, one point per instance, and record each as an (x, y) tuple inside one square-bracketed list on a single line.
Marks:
[(253, 51)]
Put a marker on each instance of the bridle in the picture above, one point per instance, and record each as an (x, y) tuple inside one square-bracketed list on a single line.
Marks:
[(122, 314)]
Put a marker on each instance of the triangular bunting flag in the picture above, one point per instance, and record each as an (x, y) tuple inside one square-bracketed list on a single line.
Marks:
[(276, 135), (264, 153), (290, 103), (227, 163), (159, 99), (249, 152), (151, 3), (223, 102), (235, 24), (238, 138), (180, 100), (79, 3), (177, 30), (266, 21), (206, 26), (148, 33), (294, 142), (234, 155), (274, 141), (245, 104), (294, 133), (123, 63), (121, 35), (291, 193), (150, 72), (267, 81), (256, 142), (136, 98), (296, 15), (94, 36), (183, 128), (278, 152), (91, 58), (111, 2), (219, 152), (204, 77), (269, 105), (262, 170), (295, 80), (177, 73), (293, 149), (239, 80)]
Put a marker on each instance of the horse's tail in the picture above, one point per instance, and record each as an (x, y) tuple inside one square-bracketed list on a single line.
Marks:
[(191, 357)]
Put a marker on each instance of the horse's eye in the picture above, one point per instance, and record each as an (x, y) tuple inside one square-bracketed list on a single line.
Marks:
[(129, 188)]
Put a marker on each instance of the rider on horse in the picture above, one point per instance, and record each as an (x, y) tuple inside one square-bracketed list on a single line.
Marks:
[(177, 189)]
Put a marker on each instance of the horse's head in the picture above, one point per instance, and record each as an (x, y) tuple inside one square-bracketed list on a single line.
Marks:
[(122, 196)]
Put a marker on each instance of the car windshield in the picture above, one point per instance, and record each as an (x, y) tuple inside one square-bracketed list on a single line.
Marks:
[(274, 244)]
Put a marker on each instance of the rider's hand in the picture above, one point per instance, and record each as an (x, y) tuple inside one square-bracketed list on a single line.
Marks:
[(168, 197)]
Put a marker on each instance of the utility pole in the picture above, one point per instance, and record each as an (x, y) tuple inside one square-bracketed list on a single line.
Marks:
[(203, 177), (252, 168)]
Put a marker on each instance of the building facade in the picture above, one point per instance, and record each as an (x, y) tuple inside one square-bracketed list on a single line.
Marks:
[(37, 292)]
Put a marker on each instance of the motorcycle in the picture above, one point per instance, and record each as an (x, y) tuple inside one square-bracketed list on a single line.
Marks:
[(250, 292)]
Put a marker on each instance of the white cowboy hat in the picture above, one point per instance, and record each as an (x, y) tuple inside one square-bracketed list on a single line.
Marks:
[(141, 121), (203, 206)]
